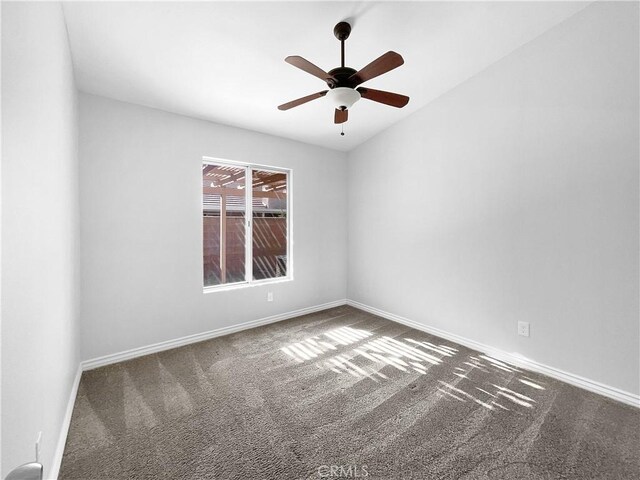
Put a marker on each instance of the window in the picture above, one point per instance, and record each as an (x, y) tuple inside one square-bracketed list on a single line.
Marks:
[(246, 230)]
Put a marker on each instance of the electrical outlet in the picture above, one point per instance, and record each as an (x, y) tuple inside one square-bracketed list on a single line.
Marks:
[(38, 441), (523, 329), (270, 297)]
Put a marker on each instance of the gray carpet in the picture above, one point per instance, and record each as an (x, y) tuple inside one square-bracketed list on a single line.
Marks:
[(341, 394)]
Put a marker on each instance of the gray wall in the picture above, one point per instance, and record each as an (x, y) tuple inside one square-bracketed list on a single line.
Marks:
[(515, 197), (141, 226), (40, 344)]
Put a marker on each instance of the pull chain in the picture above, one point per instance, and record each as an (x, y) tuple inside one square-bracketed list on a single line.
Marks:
[(342, 132)]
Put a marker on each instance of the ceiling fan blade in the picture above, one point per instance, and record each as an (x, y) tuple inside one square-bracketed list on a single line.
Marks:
[(380, 65), (309, 67), (340, 116), (300, 101), (380, 96)]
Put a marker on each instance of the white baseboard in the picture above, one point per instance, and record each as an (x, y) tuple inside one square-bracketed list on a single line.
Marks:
[(64, 430), (199, 337), (576, 380)]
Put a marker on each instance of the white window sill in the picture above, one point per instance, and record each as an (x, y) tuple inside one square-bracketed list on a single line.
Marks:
[(239, 285)]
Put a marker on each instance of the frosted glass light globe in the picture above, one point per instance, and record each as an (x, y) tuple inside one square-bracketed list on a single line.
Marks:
[(343, 97)]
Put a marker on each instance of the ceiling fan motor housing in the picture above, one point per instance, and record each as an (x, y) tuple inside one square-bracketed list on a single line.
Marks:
[(341, 76)]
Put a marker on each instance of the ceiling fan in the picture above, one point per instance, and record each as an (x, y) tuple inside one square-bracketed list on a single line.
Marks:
[(343, 82)]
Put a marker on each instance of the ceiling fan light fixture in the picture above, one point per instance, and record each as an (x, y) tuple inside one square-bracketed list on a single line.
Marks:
[(343, 97)]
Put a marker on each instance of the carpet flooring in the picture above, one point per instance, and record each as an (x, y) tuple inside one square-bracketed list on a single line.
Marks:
[(341, 394)]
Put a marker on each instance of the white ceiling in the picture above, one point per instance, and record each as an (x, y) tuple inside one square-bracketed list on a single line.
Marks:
[(224, 61)]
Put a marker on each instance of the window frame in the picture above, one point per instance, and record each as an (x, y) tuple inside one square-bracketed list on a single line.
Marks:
[(248, 225)]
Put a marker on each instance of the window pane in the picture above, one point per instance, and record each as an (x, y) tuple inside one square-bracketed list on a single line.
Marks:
[(269, 226), (223, 209)]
